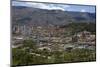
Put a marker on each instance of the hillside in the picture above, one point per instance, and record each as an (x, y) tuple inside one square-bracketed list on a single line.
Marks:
[(35, 16)]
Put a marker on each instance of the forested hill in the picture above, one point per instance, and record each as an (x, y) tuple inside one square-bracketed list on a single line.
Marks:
[(36, 16)]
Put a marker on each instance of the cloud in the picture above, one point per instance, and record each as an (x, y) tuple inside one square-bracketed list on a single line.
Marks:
[(48, 6), (42, 5), (83, 10)]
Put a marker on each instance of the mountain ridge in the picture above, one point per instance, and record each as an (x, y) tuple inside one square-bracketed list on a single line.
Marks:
[(36, 16)]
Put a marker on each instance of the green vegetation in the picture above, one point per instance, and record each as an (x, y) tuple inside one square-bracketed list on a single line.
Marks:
[(22, 56), (78, 27), (29, 54)]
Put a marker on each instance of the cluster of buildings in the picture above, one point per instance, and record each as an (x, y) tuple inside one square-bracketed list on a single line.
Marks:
[(84, 37), (51, 37)]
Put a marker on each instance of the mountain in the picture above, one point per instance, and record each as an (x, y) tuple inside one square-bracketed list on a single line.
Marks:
[(35, 16)]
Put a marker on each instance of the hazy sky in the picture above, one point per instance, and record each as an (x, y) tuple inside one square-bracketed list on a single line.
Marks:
[(63, 7)]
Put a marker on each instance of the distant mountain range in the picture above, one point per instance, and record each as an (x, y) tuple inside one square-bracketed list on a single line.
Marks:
[(35, 16)]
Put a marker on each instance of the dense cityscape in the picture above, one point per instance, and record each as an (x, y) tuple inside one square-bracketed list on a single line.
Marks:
[(37, 40), (47, 37)]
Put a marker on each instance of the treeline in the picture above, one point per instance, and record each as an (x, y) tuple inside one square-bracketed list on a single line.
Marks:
[(80, 26), (23, 55)]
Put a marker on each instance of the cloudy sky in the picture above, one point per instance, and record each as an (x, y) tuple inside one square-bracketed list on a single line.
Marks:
[(63, 7)]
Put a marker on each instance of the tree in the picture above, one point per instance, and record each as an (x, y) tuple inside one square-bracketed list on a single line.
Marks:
[(30, 43)]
